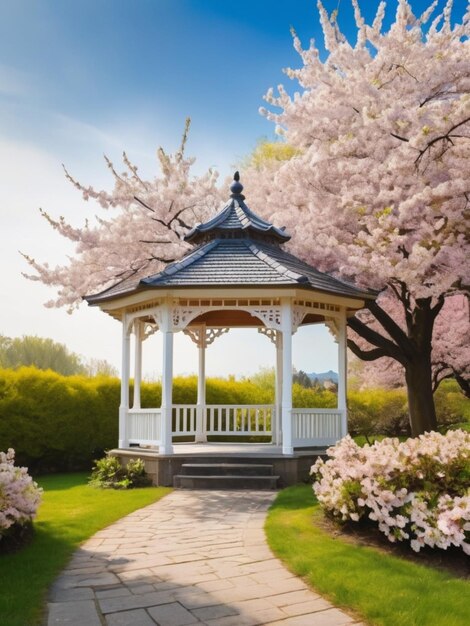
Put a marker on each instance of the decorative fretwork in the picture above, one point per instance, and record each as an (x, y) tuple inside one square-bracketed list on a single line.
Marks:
[(149, 330), (270, 333), (332, 325), (271, 317), (298, 314), (203, 336), (182, 316)]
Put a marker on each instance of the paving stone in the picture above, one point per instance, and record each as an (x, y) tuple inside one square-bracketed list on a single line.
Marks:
[(295, 597), (331, 617), (215, 585), (139, 617), (214, 612), (73, 614), (172, 615), (233, 620), (145, 588), (111, 605), (105, 578), (66, 595), (115, 592), (304, 608), (252, 605)]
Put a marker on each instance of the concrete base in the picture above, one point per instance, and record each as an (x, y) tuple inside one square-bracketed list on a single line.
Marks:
[(162, 468)]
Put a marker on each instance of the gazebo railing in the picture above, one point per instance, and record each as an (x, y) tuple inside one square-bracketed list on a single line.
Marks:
[(316, 427), (236, 420), (144, 426), (184, 419), (310, 427)]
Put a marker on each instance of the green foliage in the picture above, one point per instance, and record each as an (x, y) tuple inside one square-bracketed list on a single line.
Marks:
[(46, 354), (378, 411), (70, 513), (452, 407), (268, 151), (42, 353), (108, 473), (56, 422), (374, 412)]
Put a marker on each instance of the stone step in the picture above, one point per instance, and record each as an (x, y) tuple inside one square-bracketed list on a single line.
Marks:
[(185, 481), (226, 469)]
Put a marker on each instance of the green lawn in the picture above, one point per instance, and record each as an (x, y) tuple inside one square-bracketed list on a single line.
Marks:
[(71, 512), (380, 588)]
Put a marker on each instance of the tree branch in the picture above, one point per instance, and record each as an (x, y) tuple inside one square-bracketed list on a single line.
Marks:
[(391, 327), (400, 138), (366, 355), (446, 137), (146, 206), (376, 339)]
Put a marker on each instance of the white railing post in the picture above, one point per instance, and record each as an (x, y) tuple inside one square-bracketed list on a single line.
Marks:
[(125, 366), (286, 324), (201, 436), (166, 446), (342, 371), (137, 364), (276, 418)]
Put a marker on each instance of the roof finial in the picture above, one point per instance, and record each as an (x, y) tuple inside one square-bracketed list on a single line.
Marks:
[(236, 187)]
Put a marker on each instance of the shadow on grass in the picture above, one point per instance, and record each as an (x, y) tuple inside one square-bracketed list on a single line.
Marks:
[(26, 574), (60, 482)]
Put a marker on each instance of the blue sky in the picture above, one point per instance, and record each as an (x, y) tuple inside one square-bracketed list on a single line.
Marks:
[(83, 78)]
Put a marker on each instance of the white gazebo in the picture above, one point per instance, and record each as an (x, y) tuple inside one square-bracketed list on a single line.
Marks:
[(237, 276)]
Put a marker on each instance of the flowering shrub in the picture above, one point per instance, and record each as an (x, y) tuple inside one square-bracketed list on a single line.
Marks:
[(418, 490), (19, 494)]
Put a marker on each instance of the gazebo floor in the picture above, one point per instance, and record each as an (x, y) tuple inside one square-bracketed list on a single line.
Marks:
[(163, 468)]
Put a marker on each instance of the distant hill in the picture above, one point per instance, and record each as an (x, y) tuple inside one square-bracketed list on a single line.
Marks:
[(329, 375)]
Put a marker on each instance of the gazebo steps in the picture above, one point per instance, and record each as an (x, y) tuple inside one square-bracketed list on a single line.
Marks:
[(225, 476), (227, 469)]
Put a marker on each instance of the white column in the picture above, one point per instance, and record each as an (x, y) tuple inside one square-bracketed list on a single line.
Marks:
[(201, 436), (137, 363), (166, 446), (286, 417), (342, 371), (125, 366), (278, 390)]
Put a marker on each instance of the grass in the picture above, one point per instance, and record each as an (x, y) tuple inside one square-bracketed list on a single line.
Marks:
[(382, 589), (71, 512)]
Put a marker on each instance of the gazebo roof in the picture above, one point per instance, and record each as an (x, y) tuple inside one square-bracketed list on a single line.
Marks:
[(238, 220), (236, 248)]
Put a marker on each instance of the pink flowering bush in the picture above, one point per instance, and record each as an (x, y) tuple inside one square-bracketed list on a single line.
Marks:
[(19, 494), (417, 490)]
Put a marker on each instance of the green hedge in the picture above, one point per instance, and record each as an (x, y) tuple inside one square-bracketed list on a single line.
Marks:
[(56, 422), (62, 423)]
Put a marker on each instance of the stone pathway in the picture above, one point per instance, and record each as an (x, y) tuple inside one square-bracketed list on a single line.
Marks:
[(194, 557)]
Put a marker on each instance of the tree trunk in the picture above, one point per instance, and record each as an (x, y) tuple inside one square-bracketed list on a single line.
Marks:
[(464, 384), (411, 348), (420, 397)]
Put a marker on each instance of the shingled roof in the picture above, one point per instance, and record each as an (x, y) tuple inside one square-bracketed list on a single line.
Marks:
[(236, 248), (238, 219)]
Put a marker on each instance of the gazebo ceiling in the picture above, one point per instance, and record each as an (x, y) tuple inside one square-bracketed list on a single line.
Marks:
[(235, 250), (240, 319)]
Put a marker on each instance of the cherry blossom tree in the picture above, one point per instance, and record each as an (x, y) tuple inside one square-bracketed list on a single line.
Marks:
[(145, 232), (379, 192)]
